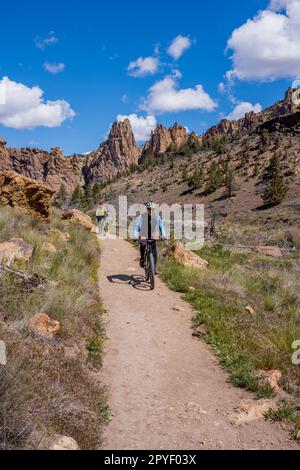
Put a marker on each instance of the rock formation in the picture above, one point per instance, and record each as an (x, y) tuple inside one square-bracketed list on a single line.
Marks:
[(79, 218), (119, 153), (15, 249), (19, 191), (252, 120), (162, 138), (187, 257), (51, 168), (115, 156)]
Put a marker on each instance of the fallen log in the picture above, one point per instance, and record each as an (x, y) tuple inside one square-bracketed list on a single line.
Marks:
[(31, 280)]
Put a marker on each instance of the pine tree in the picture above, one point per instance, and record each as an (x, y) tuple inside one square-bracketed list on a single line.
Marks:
[(276, 189), (215, 178), (77, 196), (195, 181), (88, 197), (185, 175), (264, 137), (230, 183), (97, 188), (61, 196)]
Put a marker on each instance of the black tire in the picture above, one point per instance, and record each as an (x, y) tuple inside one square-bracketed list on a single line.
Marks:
[(152, 271), (147, 268)]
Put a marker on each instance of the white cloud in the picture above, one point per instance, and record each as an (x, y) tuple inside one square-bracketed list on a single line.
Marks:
[(267, 47), (243, 108), (141, 126), (54, 68), (165, 97), (25, 107), (143, 66), (178, 46), (42, 43)]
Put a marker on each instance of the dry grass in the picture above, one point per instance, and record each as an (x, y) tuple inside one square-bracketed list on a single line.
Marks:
[(246, 343), (53, 392)]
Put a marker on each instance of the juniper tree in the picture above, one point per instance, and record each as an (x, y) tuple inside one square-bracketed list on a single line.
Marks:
[(264, 138), (230, 183), (77, 196), (196, 179), (276, 188), (215, 178), (61, 196)]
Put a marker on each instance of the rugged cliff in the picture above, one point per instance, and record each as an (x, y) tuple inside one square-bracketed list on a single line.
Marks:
[(252, 120), (120, 152), (115, 156)]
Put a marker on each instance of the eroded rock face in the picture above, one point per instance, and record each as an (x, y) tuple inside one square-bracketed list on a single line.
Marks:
[(32, 196), (116, 156), (195, 139), (252, 120), (162, 138), (179, 134), (51, 168)]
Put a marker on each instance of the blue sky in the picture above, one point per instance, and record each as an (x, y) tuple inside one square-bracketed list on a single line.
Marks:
[(78, 54)]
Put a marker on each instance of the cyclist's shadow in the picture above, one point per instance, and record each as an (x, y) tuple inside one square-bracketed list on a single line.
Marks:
[(137, 281)]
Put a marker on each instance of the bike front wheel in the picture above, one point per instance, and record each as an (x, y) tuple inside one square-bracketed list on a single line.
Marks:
[(152, 271)]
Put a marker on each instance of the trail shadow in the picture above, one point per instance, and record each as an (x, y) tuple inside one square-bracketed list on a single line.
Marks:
[(138, 282)]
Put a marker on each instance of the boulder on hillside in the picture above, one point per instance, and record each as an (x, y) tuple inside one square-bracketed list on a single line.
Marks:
[(43, 326), (77, 217), (55, 442), (32, 196), (273, 251), (251, 410), (270, 378), (49, 248), (63, 443), (187, 257), (15, 249)]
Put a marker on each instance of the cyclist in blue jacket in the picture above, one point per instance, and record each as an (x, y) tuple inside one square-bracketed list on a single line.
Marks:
[(149, 226)]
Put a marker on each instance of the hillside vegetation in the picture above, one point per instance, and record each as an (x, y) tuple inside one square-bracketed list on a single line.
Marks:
[(47, 386)]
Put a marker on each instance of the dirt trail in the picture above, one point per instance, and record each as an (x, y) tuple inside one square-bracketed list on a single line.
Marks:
[(166, 389)]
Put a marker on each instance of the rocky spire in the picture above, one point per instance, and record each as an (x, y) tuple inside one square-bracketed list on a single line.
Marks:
[(162, 138), (122, 145)]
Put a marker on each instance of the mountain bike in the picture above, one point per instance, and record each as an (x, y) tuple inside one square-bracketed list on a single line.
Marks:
[(150, 264)]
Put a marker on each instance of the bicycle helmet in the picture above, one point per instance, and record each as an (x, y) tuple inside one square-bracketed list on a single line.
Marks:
[(151, 205)]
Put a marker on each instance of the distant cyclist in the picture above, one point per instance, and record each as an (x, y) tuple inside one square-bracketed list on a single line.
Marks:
[(101, 215), (149, 226)]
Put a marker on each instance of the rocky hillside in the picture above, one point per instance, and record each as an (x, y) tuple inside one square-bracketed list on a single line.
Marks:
[(252, 120), (230, 176), (120, 154), (114, 156)]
